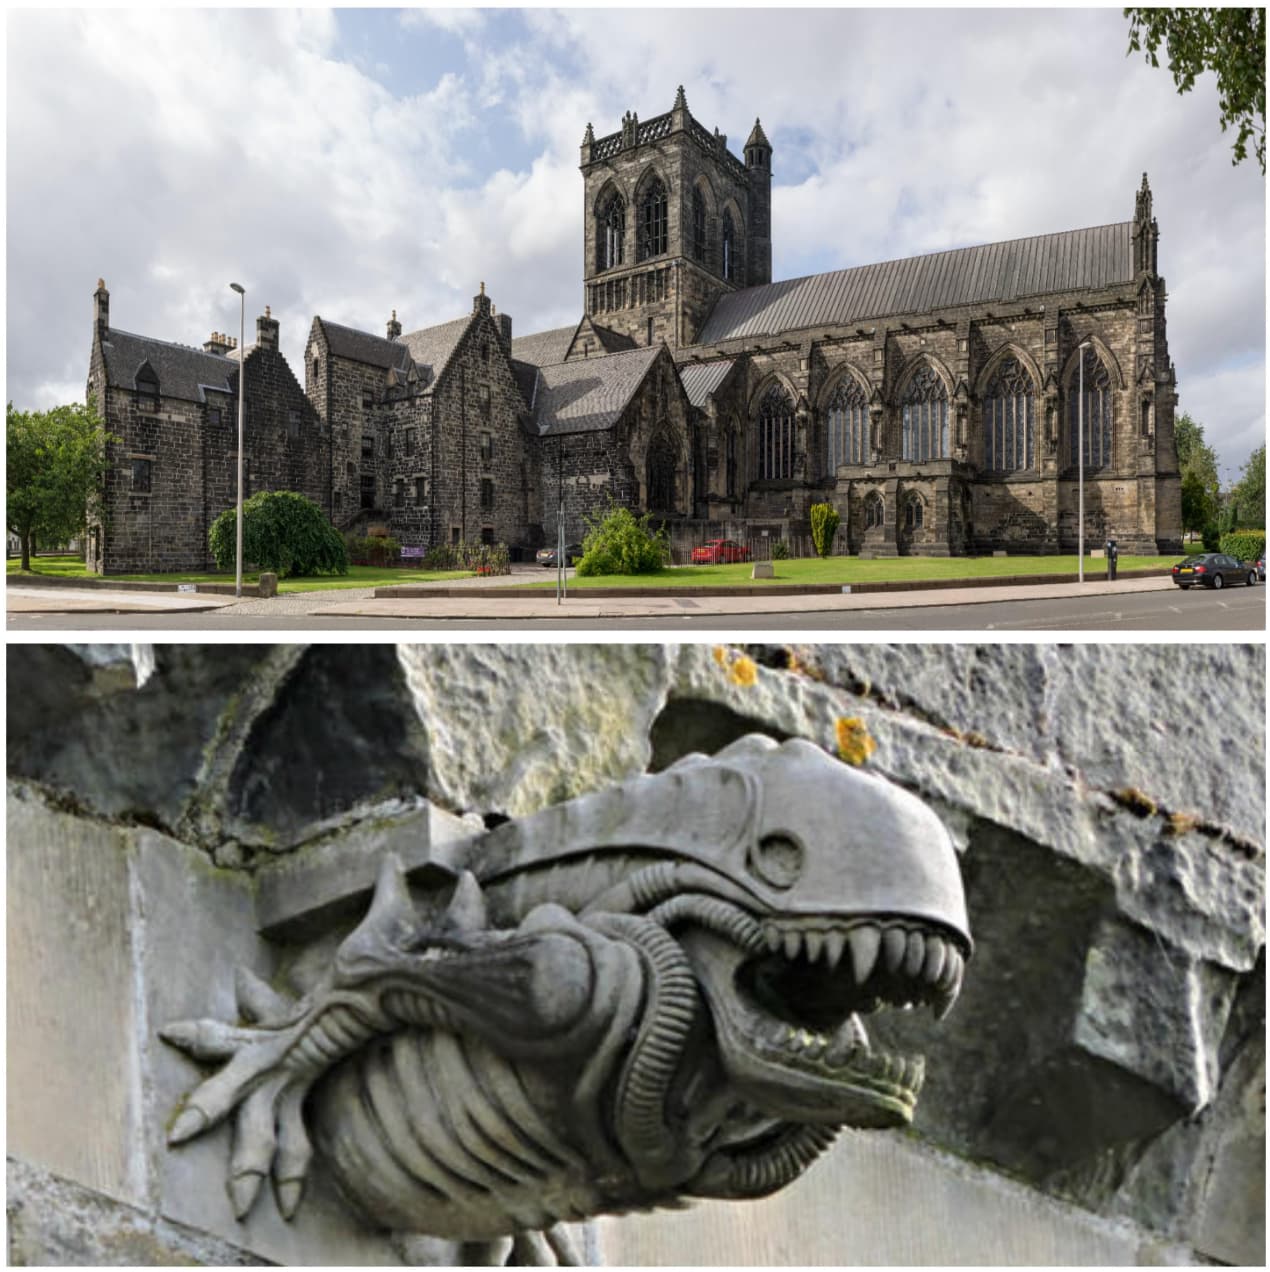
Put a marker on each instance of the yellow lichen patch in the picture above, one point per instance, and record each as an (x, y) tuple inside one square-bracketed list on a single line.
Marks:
[(1182, 823), (720, 654), (743, 671), (855, 743), (1136, 801)]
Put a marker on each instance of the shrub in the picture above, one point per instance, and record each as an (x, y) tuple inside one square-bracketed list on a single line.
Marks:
[(484, 558), (621, 543), (374, 549), (1247, 545), (1212, 539), (283, 532), (780, 550), (445, 556), (824, 525)]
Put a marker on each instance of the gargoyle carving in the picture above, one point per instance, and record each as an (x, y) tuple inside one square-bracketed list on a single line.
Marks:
[(653, 993)]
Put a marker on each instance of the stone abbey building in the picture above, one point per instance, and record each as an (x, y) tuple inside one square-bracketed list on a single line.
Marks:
[(934, 400)]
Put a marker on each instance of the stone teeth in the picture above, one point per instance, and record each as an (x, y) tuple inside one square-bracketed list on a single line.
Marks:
[(865, 941), (952, 969), (894, 948), (835, 942), (774, 939), (815, 943), (793, 943), (915, 955), (936, 955)]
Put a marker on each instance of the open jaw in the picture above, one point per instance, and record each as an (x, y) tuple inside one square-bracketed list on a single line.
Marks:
[(788, 1011)]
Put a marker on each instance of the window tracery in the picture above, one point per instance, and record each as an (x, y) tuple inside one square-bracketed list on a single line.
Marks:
[(925, 417), (612, 236), (1009, 411), (775, 435), (729, 246), (1097, 421), (874, 511), (847, 417), (653, 220), (698, 224)]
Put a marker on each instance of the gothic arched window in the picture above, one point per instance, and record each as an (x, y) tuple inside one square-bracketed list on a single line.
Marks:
[(874, 511), (698, 225), (611, 239), (925, 417), (775, 435), (652, 220), (847, 417), (729, 246), (914, 513), (1097, 422), (1008, 419)]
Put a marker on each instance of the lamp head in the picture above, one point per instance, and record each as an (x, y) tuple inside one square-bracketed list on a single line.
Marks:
[(240, 290)]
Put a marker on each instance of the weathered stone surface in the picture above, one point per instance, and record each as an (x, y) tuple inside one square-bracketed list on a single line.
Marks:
[(847, 1211), (513, 728), (76, 1032), (55, 1222)]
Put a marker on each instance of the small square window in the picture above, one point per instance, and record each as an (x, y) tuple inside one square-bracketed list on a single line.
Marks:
[(293, 423), (368, 399), (421, 490), (487, 535), (487, 493), (483, 396), (141, 476), (399, 493), (487, 448), (213, 416), (410, 441), (368, 446), (147, 395)]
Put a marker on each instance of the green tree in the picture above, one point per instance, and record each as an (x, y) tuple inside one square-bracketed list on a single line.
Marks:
[(1249, 494), (1197, 463), (282, 531), (56, 462), (824, 525), (1229, 42), (618, 542)]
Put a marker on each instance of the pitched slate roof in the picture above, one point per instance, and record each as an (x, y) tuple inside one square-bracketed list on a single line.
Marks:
[(432, 346), (361, 346), (588, 395), (183, 371), (542, 348), (1002, 272), (700, 379)]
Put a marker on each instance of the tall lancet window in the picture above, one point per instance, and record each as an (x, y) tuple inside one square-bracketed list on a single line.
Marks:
[(775, 435), (848, 423), (652, 220), (612, 235), (729, 247), (925, 417), (1097, 423)]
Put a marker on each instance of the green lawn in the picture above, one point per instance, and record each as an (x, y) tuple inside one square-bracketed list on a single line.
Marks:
[(853, 570), (357, 576)]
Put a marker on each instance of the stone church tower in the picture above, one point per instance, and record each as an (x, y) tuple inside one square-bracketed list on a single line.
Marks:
[(673, 220)]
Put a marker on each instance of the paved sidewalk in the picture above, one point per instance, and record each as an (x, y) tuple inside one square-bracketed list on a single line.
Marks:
[(577, 605), (62, 600)]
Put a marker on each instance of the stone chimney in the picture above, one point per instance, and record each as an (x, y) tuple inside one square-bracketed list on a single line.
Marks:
[(267, 331), (504, 324), (480, 302), (218, 343), (101, 309), (394, 327)]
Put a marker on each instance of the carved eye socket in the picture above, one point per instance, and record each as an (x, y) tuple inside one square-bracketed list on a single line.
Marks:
[(777, 859)]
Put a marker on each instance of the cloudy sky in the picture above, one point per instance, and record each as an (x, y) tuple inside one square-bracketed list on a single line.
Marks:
[(349, 162)]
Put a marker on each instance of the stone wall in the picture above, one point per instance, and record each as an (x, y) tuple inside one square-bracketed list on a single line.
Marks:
[(1096, 1096)]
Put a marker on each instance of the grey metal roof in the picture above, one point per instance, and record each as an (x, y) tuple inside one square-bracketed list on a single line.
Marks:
[(700, 379), (362, 346), (1002, 272), (542, 348), (183, 371), (432, 346), (589, 395)]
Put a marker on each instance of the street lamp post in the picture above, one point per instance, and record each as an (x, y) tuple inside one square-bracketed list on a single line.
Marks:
[(242, 394), (1080, 455)]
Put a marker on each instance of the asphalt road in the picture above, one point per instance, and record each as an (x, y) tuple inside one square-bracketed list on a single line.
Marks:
[(1233, 610)]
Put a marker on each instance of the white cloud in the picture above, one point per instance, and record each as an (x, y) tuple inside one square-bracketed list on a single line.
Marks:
[(174, 150)]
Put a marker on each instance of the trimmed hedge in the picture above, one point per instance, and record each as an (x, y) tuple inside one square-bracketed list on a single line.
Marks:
[(824, 525), (622, 543), (1247, 545), (282, 531)]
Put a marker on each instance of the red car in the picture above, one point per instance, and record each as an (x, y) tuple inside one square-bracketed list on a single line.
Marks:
[(720, 552)]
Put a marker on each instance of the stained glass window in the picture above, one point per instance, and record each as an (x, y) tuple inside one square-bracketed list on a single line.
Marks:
[(729, 246), (612, 235), (652, 220), (848, 421), (914, 513), (775, 435), (1097, 422), (1009, 408), (925, 417), (874, 511)]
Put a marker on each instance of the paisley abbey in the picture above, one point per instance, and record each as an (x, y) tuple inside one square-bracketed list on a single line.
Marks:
[(939, 402)]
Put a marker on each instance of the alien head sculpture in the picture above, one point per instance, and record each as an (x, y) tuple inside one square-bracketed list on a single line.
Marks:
[(647, 994)]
